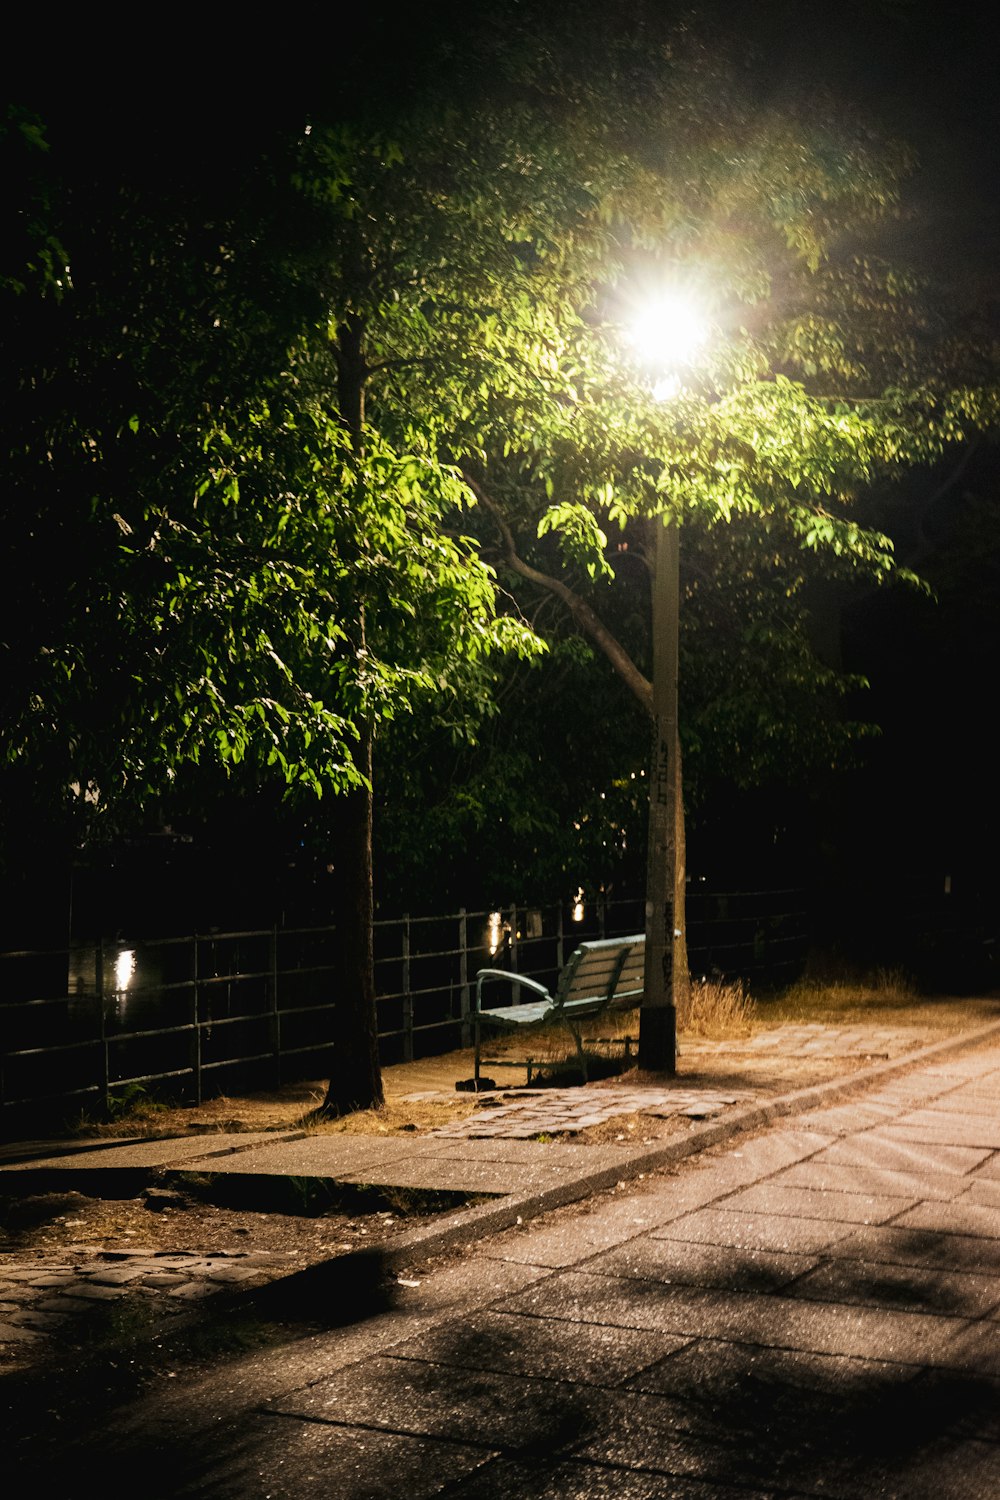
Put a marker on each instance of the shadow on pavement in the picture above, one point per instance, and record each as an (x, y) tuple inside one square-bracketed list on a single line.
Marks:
[(557, 1393)]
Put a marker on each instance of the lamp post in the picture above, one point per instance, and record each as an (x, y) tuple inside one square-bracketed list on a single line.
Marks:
[(658, 1012), (665, 335)]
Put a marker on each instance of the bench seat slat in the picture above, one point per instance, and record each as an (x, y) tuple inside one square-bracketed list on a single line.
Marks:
[(531, 1014)]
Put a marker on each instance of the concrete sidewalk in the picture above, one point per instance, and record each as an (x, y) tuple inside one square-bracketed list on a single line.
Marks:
[(811, 1309)]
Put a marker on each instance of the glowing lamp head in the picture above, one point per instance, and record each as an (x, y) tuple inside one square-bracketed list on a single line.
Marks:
[(668, 330)]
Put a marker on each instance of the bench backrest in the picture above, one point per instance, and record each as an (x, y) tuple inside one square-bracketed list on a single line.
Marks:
[(612, 970)]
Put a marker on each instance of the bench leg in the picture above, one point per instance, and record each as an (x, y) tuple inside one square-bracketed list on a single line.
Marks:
[(581, 1055)]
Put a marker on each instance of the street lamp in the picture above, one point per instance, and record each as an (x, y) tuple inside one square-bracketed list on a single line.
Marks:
[(666, 332)]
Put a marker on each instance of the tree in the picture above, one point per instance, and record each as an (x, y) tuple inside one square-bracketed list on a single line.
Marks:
[(247, 580), (826, 373)]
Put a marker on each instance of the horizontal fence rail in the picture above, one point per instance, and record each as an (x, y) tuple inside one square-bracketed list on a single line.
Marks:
[(92, 1023)]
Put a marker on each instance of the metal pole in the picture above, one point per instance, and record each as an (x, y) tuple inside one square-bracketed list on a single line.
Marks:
[(195, 1023), (658, 1015), (275, 1013), (463, 976), (102, 1028), (515, 988), (407, 997)]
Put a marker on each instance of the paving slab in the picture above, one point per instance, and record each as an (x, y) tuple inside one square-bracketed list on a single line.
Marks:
[(977, 1349), (962, 1128), (961, 1217), (779, 1321), (767, 1153), (311, 1156), (755, 1376), (675, 1263), (845, 1119), (560, 1154), (285, 1459), (677, 1438), (826, 1205), (543, 1348), (978, 1093), (747, 1231), (931, 1132), (882, 1150), (457, 1176), (654, 1202), (912, 1289), (919, 1247), (143, 1155), (985, 1192), (423, 1398), (548, 1479), (966, 1104), (558, 1111), (825, 1176), (970, 1402), (853, 1451)]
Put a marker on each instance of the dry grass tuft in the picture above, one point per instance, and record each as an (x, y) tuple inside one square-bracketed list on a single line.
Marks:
[(844, 999), (397, 1116), (719, 1009), (836, 995)]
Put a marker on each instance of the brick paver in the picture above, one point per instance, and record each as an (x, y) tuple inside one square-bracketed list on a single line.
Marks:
[(560, 1111), (42, 1299)]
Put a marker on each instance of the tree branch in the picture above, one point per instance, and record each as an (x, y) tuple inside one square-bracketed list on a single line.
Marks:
[(585, 617)]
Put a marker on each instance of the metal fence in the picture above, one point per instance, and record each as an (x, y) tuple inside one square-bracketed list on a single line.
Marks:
[(203, 1014)]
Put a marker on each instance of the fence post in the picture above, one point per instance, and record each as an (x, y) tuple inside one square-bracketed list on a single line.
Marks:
[(602, 915), (560, 939), (407, 997), (464, 999), (515, 988), (195, 1023), (104, 1068), (275, 1013)]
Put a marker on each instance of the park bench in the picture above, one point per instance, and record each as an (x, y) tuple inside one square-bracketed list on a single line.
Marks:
[(597, 976)]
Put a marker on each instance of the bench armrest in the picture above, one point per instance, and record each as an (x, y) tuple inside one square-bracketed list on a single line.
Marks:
[(530, 984)]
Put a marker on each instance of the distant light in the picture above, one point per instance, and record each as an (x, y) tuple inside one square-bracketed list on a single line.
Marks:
[(124, 968), (578, 905), (494, 930)]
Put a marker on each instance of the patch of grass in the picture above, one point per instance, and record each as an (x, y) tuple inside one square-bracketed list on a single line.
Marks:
[(719, 1009), (129, 1105), (834, 994), (396, 1116)]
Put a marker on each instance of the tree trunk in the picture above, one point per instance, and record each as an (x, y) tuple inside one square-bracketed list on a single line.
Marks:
[(664, 920), (355, 1073)]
